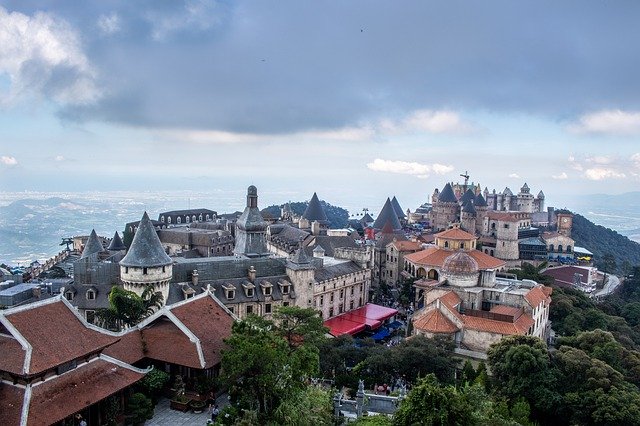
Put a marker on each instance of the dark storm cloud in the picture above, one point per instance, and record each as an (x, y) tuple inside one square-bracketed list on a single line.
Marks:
[(288, 66)]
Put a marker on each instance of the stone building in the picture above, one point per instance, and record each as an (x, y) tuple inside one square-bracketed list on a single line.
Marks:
[(194, 241), (394, 261), (459, 296), (504, 227), (182, 217)]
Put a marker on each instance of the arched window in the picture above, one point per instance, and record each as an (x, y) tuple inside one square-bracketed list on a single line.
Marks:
[(551, 247), (169, 220), (193, 218), (162, 219), (207, 218), (91, 295), (200, 217), (187, 219), (446, 244), (568, 249), (179, 219), (461, 245), (559, 248)]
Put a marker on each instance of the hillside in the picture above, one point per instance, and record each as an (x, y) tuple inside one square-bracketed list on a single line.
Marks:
[(603, 241), (337, 216)]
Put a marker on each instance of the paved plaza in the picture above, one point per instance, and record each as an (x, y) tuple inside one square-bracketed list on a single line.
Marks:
[(163, 415)]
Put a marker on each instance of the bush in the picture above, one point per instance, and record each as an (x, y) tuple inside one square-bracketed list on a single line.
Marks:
[(139, 408), (153, 382)]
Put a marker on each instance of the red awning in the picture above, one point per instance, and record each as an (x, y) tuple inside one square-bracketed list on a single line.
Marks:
[(368, 316)]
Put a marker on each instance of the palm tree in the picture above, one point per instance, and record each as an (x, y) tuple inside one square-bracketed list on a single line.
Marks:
[(127, 308)]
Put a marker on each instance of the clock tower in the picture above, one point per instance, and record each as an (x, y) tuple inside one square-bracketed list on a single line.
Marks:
[(565, 221)]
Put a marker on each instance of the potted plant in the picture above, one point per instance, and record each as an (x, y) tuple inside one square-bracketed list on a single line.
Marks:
[(180, 403), (197, 406)]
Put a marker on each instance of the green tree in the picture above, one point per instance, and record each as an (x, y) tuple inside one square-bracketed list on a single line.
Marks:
[(139, 408), (300, 325), (126, 308), (430, 404), (311, 405), (261, 368)]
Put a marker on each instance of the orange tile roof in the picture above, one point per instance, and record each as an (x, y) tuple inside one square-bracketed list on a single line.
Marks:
[(547, 290), (535, 296), (435, 256), (407, 245), (506, 310), (435, 321), (520, 326), (451, 299), (455, 234)]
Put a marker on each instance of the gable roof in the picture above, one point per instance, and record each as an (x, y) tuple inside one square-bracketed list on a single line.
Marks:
[(314, 211), (535, 296), (50, 333), (434, 321), (146, 249), (387, 214), (455, 234)]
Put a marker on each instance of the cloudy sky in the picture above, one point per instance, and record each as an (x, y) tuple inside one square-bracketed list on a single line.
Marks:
[(354, 100)]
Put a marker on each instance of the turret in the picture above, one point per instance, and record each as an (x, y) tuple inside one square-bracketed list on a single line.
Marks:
[(251, 228)]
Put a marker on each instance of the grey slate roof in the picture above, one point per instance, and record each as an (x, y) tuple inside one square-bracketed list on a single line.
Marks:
[(387, 214), (480, 201), (146, 249), (367, 218), (540, 194), (93, 245), (331, 242), (314, 211), (116, 243), (447, 195), (467, 196), (334, 271), (397, 208), (468, 208)]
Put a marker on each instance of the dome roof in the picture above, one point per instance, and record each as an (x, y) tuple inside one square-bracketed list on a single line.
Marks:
[(460, 263)]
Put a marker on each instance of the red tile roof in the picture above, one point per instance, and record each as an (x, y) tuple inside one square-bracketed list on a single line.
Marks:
[(58, 398), (456, 234), (435, 257), (507, 310), (435, 321), (407, 245), (451, 299), (12, 358), (180, 351), (535, 297), (56, 335), (11, 400)]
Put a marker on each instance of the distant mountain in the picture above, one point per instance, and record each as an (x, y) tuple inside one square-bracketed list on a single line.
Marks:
[(603, 241), (337, 216)]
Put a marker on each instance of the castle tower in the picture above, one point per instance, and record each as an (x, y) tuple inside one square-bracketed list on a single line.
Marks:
[(468, 217), (565, 223), (146, 262), (387, 214), (539, 202), (396, 207), (116, 244), (481, 208), (301, 272), (315, 213), (445, 210), (525, 199), (93, 247), (251, 228)]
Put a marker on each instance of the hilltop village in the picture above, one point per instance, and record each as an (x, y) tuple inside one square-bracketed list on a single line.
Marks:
[(443, 271)]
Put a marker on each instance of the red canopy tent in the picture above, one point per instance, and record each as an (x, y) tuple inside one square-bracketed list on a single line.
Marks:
[(369, 316)]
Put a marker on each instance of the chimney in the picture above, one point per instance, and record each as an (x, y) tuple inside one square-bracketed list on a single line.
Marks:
[(252, 274), (195, 278), (37, 292), (315, 227)]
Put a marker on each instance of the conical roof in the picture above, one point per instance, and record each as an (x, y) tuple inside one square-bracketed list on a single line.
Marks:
[(540, 194), (467, 196), (468, 208), (480, 201), (92, 246), (146, 249), (397, 208), (507, 191), (116, 243), (314, 211), (447, 195), (300, 259), (387, 214), (367, 218)]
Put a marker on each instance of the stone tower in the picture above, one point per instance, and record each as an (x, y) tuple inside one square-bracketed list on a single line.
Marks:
[(468, 217), (480, 205), (525, 199), (92, 248), (146, 263), (445, 210), (251, 228), (315, 213), (301, 272), (540, 202)]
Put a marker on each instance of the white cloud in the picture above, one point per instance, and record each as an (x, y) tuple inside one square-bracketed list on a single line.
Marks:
[(514, 176), (561, 176), (603, 159), (42, 57), (109, 24), (614, 122), (438, 122), (600, 173), (59, 158), (8, 160), (198, 15), (421, 171)]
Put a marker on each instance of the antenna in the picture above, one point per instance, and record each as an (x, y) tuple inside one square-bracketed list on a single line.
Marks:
[(466, 179)]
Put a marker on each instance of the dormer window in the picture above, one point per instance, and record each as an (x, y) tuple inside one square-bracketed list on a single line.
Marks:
[(230, 291), (248, 289), (91, 295), (69, 295), (266, 288)]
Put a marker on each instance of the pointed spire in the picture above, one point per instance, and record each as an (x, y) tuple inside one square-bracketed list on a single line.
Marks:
[(397, 208), (447, 195), (92, 246), (116, 243), (387, 214), (146, 249), (314, 211), (468, 208), (467, 196), (480, 201), (300, 259), (540, 194)]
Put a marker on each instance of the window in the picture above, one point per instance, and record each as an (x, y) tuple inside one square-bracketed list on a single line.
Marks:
[(341, 294), (321, 300), (285, 289), (352, 290), (249, 309), (267, 291), (69, 295), (446, 244), (285, 303), (144, 271), (179, 220), (267, 308), (126, 269), (169, 220), (231, 294), (163, 269), (162, 219), (90, 316), (331, 297), (249, 292), (91, 295), (231, 309), (361, 287), (187, 219), (351, 305), (341, 309), (330, 312)]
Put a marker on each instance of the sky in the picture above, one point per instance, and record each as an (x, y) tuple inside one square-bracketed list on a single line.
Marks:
[(355, 100)]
